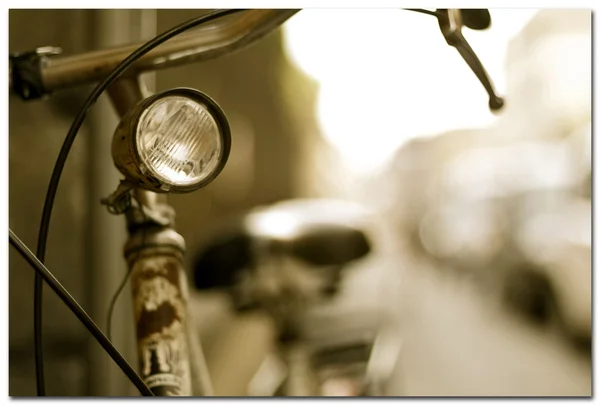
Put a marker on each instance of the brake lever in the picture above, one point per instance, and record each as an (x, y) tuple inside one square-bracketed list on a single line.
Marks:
[(450, 22)]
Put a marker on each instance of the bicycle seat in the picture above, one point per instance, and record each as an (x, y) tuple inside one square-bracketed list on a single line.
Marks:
[(322, 240), (328, 244), (219, 263)]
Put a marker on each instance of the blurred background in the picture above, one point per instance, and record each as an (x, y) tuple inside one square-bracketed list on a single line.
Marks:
[(479, 271)]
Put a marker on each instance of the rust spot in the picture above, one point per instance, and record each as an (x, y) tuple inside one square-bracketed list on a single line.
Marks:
[(169, 271), (151, 322), (173, 268)]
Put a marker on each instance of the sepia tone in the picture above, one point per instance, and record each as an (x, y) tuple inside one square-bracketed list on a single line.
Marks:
[(475, 274)]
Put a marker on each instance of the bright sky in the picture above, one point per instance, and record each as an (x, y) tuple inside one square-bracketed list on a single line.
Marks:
[(387, 75)]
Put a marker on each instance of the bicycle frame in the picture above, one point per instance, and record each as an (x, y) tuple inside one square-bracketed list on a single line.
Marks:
[(154, 251)]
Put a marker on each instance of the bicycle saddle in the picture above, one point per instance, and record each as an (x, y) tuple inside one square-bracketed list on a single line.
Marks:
[(326, 239)]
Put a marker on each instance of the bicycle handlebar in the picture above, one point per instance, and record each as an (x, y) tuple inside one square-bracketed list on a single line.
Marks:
[(43, 71), (47, 72)]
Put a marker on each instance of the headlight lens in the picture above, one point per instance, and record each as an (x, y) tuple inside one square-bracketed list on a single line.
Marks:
[(176, 141), (179, 141)]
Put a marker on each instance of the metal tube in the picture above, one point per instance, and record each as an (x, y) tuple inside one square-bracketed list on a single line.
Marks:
[(223, 37), (159, 290), (300, 381), (126, 93)]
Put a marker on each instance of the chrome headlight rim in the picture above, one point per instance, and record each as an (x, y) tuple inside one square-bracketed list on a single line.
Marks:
[(126, 154)]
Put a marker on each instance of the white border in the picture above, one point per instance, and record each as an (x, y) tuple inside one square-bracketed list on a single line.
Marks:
[(189, 4)]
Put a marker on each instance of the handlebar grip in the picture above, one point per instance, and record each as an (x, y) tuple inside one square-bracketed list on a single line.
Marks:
[(476, 18)]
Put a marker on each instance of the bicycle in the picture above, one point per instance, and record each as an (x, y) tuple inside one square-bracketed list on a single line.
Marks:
[(290, 261), (154, 165)]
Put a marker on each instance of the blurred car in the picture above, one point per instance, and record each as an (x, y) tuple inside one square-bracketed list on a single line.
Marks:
[(517, 218)]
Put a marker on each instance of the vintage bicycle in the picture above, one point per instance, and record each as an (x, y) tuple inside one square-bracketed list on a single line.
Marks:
[(176, 141)]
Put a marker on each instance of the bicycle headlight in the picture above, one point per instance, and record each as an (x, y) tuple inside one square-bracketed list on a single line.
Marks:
[(174, 141)]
